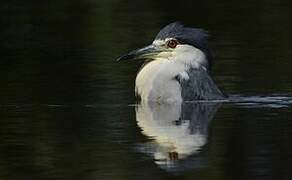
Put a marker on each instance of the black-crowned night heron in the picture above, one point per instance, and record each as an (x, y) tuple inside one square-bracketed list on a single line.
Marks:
[(176, 67)]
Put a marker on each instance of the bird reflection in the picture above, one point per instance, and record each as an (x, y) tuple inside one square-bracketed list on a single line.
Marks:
[(179, 131)]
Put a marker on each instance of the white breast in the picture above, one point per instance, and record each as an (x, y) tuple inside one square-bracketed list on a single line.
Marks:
[(155, 82)]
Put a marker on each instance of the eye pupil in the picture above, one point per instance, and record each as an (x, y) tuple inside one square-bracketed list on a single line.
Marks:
[(172, 43)]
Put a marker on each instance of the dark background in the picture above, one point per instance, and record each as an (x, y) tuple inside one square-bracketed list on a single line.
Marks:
[(64, 99)]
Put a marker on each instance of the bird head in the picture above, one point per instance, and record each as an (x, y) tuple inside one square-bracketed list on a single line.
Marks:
[(176, 43)]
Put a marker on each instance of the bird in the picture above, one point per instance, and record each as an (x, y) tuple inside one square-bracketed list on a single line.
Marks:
[(176, 67)]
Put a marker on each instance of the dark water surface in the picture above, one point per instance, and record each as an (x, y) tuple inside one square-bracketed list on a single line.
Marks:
[(67, 109)]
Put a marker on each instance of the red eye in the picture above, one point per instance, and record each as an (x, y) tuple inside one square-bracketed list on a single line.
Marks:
[(172, 43)]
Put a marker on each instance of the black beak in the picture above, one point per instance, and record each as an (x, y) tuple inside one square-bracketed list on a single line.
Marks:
[(147, 52)]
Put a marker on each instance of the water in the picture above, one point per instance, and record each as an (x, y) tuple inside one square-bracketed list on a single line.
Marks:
[(68, 111)]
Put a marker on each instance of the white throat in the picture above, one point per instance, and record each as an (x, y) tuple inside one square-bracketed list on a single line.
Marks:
[(155, 81)]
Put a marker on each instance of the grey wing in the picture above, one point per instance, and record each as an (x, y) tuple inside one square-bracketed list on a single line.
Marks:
[(199, 86)]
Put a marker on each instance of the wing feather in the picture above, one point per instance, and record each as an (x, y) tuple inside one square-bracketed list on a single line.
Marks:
[(199, 86)]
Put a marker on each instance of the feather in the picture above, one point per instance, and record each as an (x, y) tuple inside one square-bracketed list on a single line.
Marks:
[(199, 86)]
